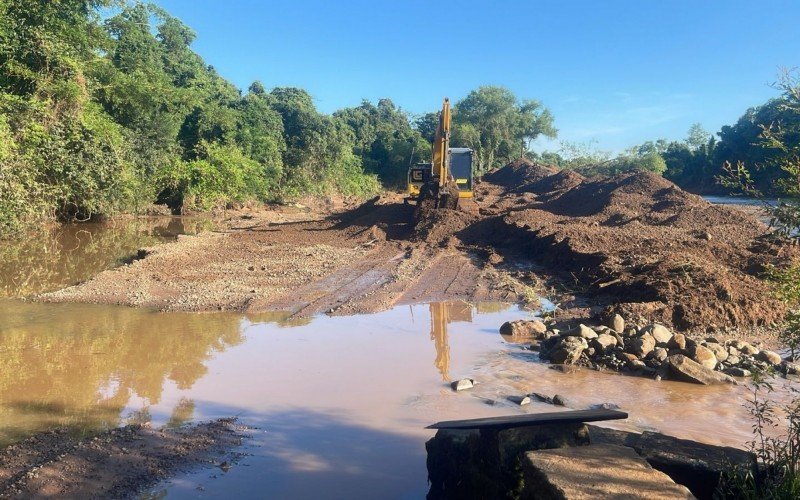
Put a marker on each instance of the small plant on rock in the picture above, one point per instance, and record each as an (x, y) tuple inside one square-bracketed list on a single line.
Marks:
[(775, 473)]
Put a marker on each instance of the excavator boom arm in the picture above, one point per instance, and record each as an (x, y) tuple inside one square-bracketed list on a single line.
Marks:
[(441, 144)]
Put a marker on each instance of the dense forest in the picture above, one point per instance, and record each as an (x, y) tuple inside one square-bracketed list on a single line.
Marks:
[(105, 108)]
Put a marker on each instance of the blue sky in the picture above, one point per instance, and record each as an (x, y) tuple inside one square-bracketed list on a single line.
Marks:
[(615, 72)]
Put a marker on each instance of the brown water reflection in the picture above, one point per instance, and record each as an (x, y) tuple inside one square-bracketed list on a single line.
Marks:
[(60, 256), (81, 365)]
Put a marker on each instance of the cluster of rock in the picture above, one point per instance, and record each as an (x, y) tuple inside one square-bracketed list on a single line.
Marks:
[(652, 350)]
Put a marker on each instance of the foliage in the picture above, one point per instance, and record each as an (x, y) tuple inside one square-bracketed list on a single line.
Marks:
[(776, 471), (498, 126), (780, 139), (790, 334), (385, 139)]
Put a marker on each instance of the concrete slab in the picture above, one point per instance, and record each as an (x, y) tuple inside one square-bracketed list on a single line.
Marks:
[(595, 472)]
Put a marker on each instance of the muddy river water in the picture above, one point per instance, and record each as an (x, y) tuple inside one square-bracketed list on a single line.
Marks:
[(338, 405)]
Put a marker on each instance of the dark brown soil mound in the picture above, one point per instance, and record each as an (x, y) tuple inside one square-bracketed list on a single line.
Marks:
[(518, 173), (653, 249), (554, 185)]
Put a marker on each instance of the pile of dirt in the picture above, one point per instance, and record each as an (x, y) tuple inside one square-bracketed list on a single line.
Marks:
[(553, 185), (518, 173), (118, 463), (653, 250)]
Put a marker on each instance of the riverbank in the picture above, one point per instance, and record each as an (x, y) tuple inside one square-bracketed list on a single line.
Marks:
[(118, 463), (634, 244)]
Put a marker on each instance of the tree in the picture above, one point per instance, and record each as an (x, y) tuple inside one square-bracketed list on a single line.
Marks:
[(498, 126), (385, 139), (697, 137)]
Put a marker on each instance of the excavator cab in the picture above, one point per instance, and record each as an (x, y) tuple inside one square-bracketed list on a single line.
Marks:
[(461, 161)]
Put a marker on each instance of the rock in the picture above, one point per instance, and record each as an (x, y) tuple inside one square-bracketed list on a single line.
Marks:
[(617, 323), (541, 397), (642, 346), (520, 400), (603, 342), (736, 371), (746, 348), (660, 354), (660, 333), (636, 364), (704, 356), (630, 332), (678, 341), (790, 368), (582, 331), (559, 400), (595, 471), (733, 360), (568, 350), (463, 384), (474, 464), (698, 466), (523, 329), (719, 351), (683, 368), (770, 357)]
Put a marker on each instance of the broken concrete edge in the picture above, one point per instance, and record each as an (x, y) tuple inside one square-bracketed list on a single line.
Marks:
[(532, 420), (595, 471)]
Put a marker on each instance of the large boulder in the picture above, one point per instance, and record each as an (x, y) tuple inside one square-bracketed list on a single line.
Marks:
[(617, 323), (523, 329), (770, 357), (704, 356), (719, 351), (568, 350), (603, 342), (643, 345), (582, 331), (660, 334), (686, 370), (678, 341)]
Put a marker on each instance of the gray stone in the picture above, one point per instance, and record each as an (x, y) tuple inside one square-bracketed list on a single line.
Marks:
[(636, 364), (523, 329), (746, 348), (568, 350), (574, 473), (770, 357), (463, 384), (582, 331), (683, 368), (660, 354), (704, 356), (660, 333), (791, 368), (678, 341), (520, 400), (559, 400), (603, 342), (696, 465), (617, 323), (642, 346), (719, 351), (736, 371)]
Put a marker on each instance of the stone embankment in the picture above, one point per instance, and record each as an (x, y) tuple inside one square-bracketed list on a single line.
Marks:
[(650, 350)]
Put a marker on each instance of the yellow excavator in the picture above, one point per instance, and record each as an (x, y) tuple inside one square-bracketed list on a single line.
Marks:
[(449, 176)]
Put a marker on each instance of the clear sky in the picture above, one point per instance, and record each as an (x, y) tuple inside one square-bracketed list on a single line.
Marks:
[(617, 72)]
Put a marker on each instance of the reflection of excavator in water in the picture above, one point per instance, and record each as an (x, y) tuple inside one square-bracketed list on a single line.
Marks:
[(443, 313), (449, 176)]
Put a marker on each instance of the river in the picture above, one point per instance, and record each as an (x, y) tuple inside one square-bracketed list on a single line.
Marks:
[(337, 405)]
